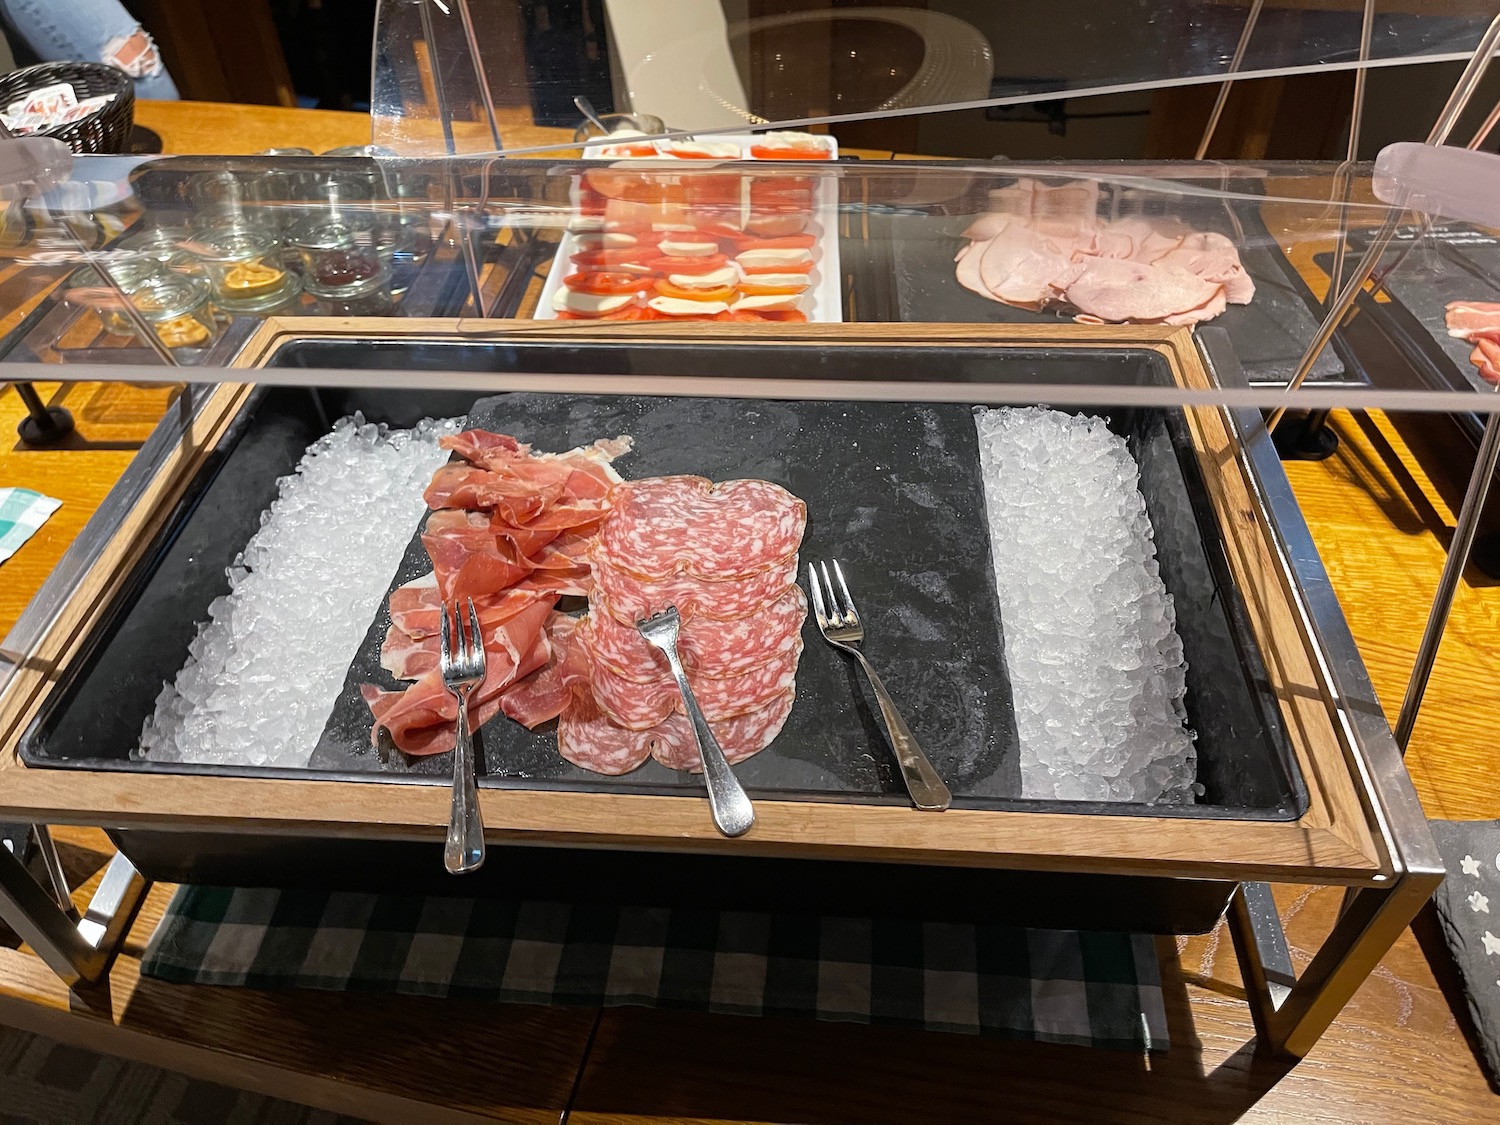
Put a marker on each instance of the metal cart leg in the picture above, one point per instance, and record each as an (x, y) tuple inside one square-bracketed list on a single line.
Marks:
[(1291, 1013), (76, 949)]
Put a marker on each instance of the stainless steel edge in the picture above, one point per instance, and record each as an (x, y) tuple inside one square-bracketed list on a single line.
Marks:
[(1391, 803)]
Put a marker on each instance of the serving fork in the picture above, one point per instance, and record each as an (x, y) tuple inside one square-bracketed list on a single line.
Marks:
[(462, 668), (727, 801), (838, 621)]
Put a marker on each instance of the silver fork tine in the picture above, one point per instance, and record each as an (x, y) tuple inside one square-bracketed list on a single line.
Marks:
[(836, 618), (445, 650), (476, 642), (817, 595), (851, 614)]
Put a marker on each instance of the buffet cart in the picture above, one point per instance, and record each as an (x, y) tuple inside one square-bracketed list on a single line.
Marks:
[(288, 293)]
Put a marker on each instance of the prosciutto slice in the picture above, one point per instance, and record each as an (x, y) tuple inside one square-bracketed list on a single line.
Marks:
[(422, 718), (665, 526), (1479, 323), (508, 622)]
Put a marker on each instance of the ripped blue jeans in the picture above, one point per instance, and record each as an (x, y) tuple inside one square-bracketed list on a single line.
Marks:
[(91, 31)]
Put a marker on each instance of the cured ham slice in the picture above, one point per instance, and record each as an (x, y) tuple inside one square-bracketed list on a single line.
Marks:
[(508, 622), (421, 719), (511, 529), (546, 693), (708, 647), (1479, 323), (468, 558), (664, 526), (1469, 320), (740, 737), (630, 598), (642, 706)]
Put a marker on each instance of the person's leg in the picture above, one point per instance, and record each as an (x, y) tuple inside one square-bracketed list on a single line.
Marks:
[(92, 31)]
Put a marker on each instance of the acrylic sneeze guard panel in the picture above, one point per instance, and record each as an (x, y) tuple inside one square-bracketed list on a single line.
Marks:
[(724, 66), (417, 295)]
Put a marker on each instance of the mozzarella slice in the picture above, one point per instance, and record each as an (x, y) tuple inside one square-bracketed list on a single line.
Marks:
[(726, 150), (676, 306), (768, 303), (728, 275), (590, 304), (783, 280), (688, 247), (794, 256)]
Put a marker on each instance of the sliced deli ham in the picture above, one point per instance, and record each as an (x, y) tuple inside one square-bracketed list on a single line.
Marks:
[(665, 526)]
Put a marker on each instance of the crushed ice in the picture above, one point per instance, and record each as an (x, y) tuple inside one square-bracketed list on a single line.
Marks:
[(1096, 666), (264, 670)]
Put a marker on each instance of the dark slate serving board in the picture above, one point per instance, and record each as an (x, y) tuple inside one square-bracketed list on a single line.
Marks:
[(914, 544), (1468, 907), (1268, 335)]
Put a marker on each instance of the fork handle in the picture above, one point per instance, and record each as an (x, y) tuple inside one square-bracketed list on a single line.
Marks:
[(728, 803), (922, 781), (464, 849)]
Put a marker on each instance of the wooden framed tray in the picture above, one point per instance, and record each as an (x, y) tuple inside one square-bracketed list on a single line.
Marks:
[(1321, 832)]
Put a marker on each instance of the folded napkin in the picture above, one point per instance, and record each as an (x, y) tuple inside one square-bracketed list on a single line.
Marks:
[(22, 511)]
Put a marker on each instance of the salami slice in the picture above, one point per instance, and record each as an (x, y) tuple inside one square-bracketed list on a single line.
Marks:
[(663, 526), (642, 706), (590, 740), (739, 737), (631, 598), (710, 648)]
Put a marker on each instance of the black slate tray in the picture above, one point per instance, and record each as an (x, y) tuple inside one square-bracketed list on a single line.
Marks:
[(893, 491), (1268, 335)]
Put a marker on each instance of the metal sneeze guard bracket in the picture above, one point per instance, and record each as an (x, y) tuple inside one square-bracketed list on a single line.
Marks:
[(77, 949)]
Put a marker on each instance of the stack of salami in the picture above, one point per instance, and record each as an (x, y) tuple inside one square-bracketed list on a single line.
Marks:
[(726, 556)]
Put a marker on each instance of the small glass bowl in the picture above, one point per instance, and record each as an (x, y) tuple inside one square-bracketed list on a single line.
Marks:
[(177, 308), (245, 266), (341, 256), (164, 245), (87, 287)]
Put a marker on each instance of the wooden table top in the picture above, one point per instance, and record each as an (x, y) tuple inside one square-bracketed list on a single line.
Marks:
[(1381, 517)]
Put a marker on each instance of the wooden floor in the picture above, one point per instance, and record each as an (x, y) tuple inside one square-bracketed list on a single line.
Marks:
[(1398, 1054)]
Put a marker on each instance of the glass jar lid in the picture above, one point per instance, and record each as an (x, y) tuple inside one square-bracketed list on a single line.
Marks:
[(128, 271), (237, 242), (169, 296), (337, 230)]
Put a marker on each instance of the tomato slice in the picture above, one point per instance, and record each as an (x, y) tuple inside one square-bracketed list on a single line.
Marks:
[(790, 152), (784, 242), (724, 293), (627, 149), (665, 263), (634, 259), (751, 271), (750, 289), (604, 283)]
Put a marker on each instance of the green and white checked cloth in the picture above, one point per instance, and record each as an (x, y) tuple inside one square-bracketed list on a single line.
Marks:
[(22, 511), (1056, 986)]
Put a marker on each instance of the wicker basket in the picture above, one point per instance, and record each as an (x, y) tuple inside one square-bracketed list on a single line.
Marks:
[(105, 131)]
